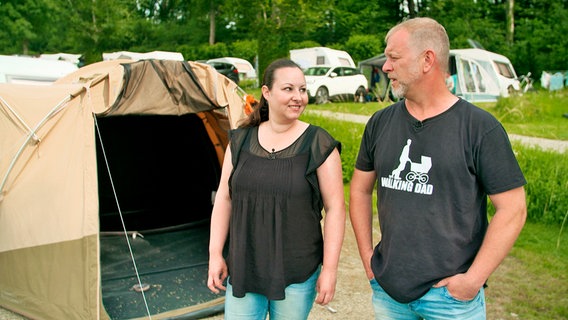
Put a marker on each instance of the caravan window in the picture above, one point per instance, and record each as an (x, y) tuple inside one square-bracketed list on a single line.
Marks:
[(505, 69), (467, 76), (344, 62), (474, 81)]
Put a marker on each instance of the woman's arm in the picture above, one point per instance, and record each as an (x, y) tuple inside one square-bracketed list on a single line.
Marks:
[(330, 179), (220, 217)]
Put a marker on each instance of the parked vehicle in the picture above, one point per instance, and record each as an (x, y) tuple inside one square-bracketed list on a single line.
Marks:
[(316, 56), (227, 69), (477, 75), (245, 69), (483, 73), (159, 55), (325, 83), (29, 70)]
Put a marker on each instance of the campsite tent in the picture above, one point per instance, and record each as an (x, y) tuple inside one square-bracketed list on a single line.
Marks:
[(116, 144)]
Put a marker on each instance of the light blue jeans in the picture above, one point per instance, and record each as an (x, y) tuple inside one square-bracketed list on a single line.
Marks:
[(436, 304), (253, 306)]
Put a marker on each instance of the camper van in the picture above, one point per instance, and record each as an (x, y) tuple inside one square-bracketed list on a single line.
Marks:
[(30, 70), (309, 57), (477, 75)]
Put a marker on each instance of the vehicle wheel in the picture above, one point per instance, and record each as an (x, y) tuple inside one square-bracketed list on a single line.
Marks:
[(322, 95), (361, 92)]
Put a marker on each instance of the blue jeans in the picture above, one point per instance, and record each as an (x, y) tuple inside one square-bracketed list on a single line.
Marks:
[(436, 304), (253, 306)]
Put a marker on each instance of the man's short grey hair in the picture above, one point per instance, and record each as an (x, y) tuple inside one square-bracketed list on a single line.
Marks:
[(426, 33)]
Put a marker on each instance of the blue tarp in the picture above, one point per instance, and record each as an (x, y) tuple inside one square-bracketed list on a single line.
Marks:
[(554, 80)]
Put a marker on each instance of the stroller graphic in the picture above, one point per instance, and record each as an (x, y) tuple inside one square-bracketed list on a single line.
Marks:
[(419, 171)]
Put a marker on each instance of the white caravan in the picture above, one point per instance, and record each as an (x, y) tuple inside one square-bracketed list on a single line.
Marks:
[(245, 68), (30, 70), (316, 56), (478, 75), (160, 55), (482, 73)]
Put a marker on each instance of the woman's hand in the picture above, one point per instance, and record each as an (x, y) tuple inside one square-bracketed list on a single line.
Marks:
[(325, 287), (218, 272)]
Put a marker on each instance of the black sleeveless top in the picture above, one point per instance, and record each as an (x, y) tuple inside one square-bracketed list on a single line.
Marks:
[(275, 236)]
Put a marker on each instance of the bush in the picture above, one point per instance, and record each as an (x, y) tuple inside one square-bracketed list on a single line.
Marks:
[(547, 183), (348, 133)]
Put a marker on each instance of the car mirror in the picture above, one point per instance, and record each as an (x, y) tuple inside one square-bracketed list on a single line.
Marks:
[(333, 75)]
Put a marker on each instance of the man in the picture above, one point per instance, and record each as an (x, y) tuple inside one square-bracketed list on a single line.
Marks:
[(435, 159)]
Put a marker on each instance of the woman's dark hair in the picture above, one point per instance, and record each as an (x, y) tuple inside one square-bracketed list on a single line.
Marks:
[(260, 110)]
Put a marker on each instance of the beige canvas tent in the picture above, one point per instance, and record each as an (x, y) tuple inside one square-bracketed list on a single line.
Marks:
[(106, 180)]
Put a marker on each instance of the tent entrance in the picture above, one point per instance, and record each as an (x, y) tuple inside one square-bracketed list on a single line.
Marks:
[(164, 170)]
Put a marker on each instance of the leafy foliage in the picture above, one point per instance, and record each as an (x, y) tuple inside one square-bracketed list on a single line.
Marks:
[(348, 133), (92, 27)]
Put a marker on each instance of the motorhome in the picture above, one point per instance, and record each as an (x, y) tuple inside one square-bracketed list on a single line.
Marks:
[(309, 57)]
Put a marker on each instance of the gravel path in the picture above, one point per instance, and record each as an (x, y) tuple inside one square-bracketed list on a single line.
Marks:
[(546, 144)]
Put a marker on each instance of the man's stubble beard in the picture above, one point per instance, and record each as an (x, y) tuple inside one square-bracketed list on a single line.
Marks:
[(402, 89)]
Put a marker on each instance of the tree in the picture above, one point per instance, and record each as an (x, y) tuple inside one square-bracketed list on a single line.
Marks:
[(26, 25), (510, 21)]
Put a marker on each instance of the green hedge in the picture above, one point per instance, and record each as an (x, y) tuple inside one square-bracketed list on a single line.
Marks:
[(546, 172)]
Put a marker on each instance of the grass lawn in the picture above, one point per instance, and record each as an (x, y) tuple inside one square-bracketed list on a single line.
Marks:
[(533, 281)]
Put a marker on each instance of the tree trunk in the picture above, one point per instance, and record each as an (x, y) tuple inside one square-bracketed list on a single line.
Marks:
[(25, 46), (510, 22), (411, 9), (211, 22)]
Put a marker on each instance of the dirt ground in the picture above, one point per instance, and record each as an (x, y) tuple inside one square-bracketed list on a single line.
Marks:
[(353, 295)]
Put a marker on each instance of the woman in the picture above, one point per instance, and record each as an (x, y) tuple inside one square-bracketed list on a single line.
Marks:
[(278, 174)]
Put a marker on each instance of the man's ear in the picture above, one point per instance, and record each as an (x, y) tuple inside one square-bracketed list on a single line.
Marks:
[(429, 59)]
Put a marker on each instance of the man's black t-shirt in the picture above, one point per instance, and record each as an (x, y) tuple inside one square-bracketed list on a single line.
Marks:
[(433, 180)]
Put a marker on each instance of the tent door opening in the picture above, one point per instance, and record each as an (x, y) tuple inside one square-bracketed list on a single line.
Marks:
[(164, 170)]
